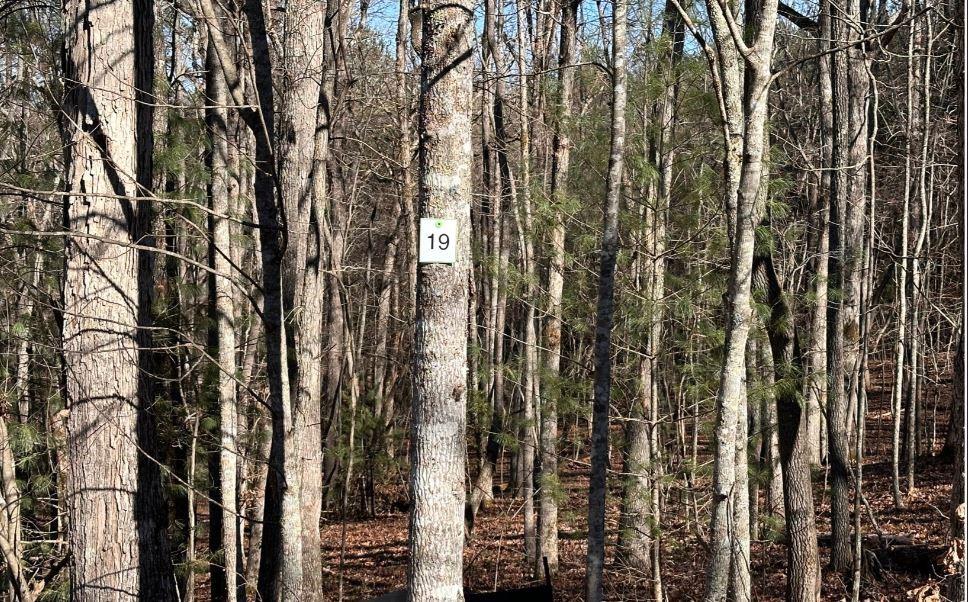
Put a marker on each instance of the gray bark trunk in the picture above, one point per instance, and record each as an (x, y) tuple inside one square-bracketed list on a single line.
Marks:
[(117, 523), (728, 573), (550, 485), (224, 320), (440, 349), (803, 567), (521, 199), (849, 158), (595, 563), (901, 272), (304, 124)]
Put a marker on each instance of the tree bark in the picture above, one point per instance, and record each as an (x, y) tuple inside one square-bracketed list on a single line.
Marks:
[(304, 121), (117, 520), (440, 348), (900, 270), (605, 313), (817, 374), (223, 319), (803, 567), (728, 572), (521, 199), (955, 588), (561, 143), (849, 158)]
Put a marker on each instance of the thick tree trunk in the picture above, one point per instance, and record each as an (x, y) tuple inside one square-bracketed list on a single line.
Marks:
[(304, 122), (440, 349), (728, 572), (117, 522)]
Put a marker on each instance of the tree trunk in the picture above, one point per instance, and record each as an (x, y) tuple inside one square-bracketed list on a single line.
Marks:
[(223, 320), (900, 270), (605, 313), (117, 520), (440, 349), (304, 122), (771, 441), (955, 589), (728, 572), (816, 382), (499, 191), (849, 158), (550, 484), (521, 198), (803, 567), (918, 279)]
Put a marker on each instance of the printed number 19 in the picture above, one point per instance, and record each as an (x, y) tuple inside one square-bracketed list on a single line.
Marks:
[(443, 241)]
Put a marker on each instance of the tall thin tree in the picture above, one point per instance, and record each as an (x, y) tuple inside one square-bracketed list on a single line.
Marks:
[(605, 313)]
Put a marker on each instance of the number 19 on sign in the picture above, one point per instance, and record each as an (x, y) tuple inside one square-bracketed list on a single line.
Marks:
[(438, 240)]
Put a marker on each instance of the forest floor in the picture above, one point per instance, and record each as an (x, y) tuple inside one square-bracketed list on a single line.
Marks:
[(368, 557)]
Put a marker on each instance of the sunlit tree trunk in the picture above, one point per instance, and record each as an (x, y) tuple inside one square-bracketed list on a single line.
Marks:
[(117, 524), (728, 572), (849, 158), (561, 143), (304, 123), (605, 313), (223, 319), (440, 349)]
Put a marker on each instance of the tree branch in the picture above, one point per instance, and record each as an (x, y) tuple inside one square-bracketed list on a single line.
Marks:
[(796, 17)]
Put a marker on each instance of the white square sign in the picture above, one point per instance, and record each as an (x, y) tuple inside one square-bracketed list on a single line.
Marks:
[(438, 240)]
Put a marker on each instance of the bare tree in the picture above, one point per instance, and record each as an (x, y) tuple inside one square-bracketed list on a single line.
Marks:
[(223, 319), (746, 103), (117, 534), (440, 348), (561, 158), (849, 159), (605, 313)]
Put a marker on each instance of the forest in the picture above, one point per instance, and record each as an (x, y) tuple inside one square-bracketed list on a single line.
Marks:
[(482, 300)]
